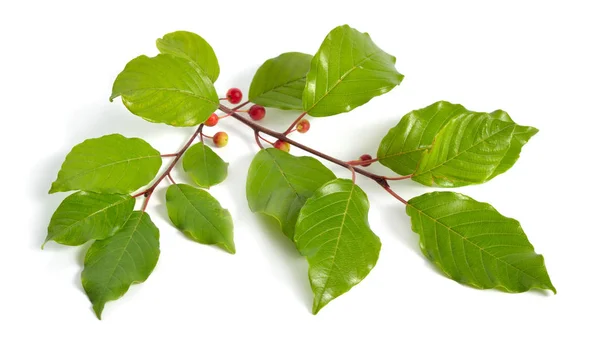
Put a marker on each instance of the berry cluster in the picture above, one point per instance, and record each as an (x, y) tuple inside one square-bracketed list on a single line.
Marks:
[(256, 113)]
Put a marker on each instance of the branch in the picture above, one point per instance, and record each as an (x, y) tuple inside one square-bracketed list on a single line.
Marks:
[(381, 180), (167, 173)]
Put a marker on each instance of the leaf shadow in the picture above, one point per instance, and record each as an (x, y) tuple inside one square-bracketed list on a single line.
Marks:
[(289, 267), (295, 274)]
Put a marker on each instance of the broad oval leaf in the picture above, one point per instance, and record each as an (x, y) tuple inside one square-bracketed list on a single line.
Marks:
[(109, 164), (204, 166), (113, 264), (475, 245), (347, 72), (466, 151), (166, 89), (200, 216), (280, 81), (333, 233), (403, 146), (191, 47), (278, 185), (85, 216)]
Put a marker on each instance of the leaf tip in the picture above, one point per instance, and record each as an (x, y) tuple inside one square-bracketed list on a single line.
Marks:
[(98, 307)]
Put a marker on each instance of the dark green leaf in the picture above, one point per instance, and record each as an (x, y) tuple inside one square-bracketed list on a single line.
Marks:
[(280, 81), (468, 150), (475, 245), (166, 89), (204, 166), (85, 216), (113, 264), (191, 47), (278, 185), (333, 233), (109, 164), (200, 216), (347, 71)]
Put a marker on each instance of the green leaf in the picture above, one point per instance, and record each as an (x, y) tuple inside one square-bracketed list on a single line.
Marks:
[(166, 89), (280, 81), (191, 47), (109, 164), (402, 147), (278, 185), (84, 216), (113, 264), (200, 216), (468, 150), (475, 245), (347, 71), (204, 166), (333, 233), (521, 136)]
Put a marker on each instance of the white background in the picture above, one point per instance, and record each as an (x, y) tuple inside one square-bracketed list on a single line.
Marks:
[(537, 60)]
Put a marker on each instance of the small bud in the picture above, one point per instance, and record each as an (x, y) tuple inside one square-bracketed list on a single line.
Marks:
[(282, 145), (366, 157), (257, 112), (212, 120), (234, 95), (303, 126), (220, 139)]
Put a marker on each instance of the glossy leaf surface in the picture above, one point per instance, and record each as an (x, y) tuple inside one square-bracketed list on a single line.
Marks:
[(475, 245), (204, 166), (166, 89), (109, 164), (200, 216), (85, 216), (347, 71), (280, 81), (113, 264), (333, 233), (191, 47), (404, 145), (466, 151), (278, 185)]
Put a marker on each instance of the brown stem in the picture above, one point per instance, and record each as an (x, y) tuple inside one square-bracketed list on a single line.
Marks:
[(393, 193), (381, 180), (167, 173)]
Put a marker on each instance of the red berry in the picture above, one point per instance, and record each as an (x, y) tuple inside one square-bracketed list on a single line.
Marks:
[(366, 157), (212, 120), (303, 126), (220, 139), (234, 95), (257, 112), (282, 145)]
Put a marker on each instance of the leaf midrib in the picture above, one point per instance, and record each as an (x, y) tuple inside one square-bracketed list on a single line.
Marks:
[(198, 211), (463, 151), (108, 165), (450, 229), (104, 209), (184, 92), (341, 79), (335, 251)]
